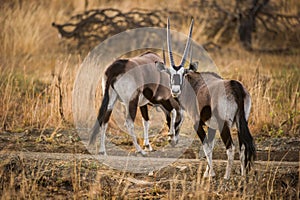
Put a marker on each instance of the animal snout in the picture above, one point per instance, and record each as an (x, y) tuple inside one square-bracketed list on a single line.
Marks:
[(176, 90)]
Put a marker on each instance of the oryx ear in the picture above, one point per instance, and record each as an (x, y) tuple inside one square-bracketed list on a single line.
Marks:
[(160, 66), (194, 66)]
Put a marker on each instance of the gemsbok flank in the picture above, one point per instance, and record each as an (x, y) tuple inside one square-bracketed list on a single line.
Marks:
[(218, 103), (136, 82)]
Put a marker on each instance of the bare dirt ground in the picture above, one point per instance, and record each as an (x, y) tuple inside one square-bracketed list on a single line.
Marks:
[(60, 166), (268, 148)]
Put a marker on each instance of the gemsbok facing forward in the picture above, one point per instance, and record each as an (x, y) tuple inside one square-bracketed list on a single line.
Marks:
[(217, 103), (136, 82)]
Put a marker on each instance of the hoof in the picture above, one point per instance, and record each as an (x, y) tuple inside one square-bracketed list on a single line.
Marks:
[(172, 142), (102, 153), (141, 152), (209, 173), (148, 148)]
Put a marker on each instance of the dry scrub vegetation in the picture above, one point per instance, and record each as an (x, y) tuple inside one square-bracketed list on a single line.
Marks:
[(86, 179), (37, 71), (36, 80)]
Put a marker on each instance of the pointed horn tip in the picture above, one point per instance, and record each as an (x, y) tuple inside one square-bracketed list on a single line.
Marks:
[(192, 24)]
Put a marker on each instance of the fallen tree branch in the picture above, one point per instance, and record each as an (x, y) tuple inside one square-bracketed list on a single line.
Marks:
[(97, 25)]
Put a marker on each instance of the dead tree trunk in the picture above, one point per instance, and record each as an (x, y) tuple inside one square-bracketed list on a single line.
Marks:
[(247, 23)]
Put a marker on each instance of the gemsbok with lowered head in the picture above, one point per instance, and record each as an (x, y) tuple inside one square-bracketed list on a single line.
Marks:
[(136, 82), (219, 104)]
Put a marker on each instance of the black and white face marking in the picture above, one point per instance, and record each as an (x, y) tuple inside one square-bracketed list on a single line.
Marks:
[(177, 72), (176, 80)]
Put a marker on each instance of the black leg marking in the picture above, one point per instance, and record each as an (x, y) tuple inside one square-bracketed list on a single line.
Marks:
[(148, 93), (168, 108), (168, 120), (205, 113), (167, 105), (200, 131), (133, 107), (144, 111), (174, 104), (226, 136), (107, 116)]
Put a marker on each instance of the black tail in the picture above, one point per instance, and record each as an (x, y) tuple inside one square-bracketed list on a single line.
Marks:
[(100, 117), (114, 70), (244, 134)]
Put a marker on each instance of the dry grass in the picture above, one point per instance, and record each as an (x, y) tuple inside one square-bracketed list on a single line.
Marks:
[(78, 179), (29, 102), (35, 68), (274, 86), (32, 62)]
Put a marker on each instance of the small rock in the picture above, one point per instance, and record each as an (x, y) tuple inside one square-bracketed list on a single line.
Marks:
[(151, 173), (181, 168)]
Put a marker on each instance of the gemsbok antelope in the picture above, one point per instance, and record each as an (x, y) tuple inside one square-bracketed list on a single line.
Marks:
[(218, 103), (136, 82)]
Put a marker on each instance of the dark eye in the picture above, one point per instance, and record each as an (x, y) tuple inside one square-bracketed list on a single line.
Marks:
[(176, 79)]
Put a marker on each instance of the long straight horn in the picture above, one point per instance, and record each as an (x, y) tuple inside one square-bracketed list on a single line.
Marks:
[(169, 44), (191, 54), (187, 46), (164, 55)]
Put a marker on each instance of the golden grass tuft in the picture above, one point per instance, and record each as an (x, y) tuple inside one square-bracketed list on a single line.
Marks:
[(36, 69), (36, 80), (78, 179)]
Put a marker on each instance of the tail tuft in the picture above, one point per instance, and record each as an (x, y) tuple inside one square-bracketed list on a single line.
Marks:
[(101, 114), (246, 139), (117, 68), (244, 134)]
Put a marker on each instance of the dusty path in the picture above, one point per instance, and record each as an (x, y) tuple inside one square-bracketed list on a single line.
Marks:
[(137, 163), (61, 175)]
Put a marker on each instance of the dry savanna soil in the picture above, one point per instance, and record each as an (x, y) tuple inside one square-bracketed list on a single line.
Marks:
[(58, 165), (42, 156)]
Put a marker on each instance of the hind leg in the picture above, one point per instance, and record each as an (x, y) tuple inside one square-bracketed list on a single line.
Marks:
[(242, 159), (226, 138), (144, 111), (242, 156), (102, 149), (208, 146), (103, 127), (131, 114)]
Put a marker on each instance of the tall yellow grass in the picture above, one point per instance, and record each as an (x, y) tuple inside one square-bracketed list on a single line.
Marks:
[(34, 67), (51, 179), (32, 61)]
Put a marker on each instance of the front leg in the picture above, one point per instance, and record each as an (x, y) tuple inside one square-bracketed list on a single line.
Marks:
[(173, 140), (208, 143), (174, 118), (145, 115), (147, 144), (208, 146), (131, 114)]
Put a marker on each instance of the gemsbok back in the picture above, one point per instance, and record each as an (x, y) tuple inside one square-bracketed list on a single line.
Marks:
[(217, 103), (136, 82)]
